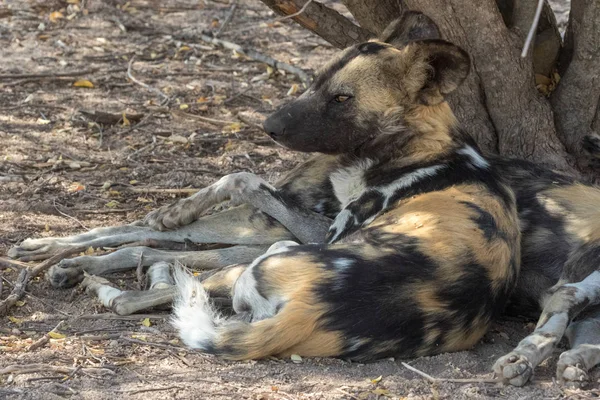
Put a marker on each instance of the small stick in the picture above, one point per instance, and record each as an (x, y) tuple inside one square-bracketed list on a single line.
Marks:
[(44, 339), (449, 380), (255, 55), (33, 368), (228, 19), (534, 24), (201, 118), (7, 263), (111, 316), (294, 14), (136, 391), (164, 191), (144, 85), (70, 217), (17, 292), (49, 75)]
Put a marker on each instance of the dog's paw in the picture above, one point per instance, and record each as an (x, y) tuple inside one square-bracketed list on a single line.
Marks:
[(63, 276), (172, 216), (514, 368), (571, 370)]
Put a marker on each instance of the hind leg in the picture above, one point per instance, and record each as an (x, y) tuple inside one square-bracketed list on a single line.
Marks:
[(565, 301), (584, 339), (69, 272)]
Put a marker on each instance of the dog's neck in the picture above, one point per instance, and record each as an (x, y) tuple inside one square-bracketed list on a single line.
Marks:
[(419, 135)]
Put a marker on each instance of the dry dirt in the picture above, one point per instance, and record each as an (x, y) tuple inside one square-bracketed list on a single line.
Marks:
[(60, 174)]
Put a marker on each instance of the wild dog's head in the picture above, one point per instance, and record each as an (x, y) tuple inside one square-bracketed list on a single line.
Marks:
[(350, 99)]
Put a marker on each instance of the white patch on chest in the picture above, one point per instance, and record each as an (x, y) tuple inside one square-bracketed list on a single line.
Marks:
[(349, 183)]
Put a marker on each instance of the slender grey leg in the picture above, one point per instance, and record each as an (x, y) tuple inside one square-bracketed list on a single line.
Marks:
[(562, 306), (70, 271), (240, 225), (584, 338), (161, 291)]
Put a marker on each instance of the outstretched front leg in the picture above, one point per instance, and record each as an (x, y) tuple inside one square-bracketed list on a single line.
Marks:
[(244, 188)]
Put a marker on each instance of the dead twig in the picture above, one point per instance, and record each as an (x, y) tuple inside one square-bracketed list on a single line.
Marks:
[(228, 19), (7, 263), (184, 191), (49, 75), (201, 118), (41, 342), (111, 316), (136, 391), (255, 55), (33, 368), (17, 292), (448, 380), (294, 14), (144, 85), (26, 274), (70, 217)]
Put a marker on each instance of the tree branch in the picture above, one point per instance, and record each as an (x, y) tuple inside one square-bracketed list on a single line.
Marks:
[(322, 20), (374, 15), (577, 97)]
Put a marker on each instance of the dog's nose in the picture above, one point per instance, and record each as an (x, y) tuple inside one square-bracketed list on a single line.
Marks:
[(274, 127)]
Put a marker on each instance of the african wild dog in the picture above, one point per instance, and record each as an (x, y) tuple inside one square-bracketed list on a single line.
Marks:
[(423, 250), (558, 218)]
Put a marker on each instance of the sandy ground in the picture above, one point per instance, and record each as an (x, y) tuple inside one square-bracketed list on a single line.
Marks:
[(61, 173)]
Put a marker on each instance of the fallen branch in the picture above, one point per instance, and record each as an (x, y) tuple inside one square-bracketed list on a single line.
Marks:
[(49, 75), (28, 273), (136, 391), (111, 316), (448, 380), (17, 293), (255, 55), (33, 368), (201, 118), (228, 19), (41, 342), (144, 85), (7, 263), (163, 191)]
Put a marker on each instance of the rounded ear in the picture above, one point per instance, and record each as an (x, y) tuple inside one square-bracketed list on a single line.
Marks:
[(411, 26), (448, 66)]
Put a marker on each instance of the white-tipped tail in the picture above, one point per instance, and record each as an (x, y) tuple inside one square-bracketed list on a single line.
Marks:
[(193, 315)]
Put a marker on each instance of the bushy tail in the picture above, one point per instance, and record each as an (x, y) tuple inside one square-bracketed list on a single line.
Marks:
[(201, 326)]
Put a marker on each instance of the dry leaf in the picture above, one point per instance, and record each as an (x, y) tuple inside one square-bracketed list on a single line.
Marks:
[(75, 187), (381, 392), (89, 251), (293, 89), (15, 320), (19, 303), (214, 23), (84, 83), (125, 120), (56, 335), (296, 359), (146, 322), (112, 204), (55, 16), (234, 127), (47, 228), (377, 380), (183, 106), (133, 182), (143, 200)]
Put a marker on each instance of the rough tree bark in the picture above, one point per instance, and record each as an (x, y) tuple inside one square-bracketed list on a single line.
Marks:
[(499, 104), (576, 101)]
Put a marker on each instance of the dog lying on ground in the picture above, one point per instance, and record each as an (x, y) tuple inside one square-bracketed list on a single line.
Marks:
[(421, 243)]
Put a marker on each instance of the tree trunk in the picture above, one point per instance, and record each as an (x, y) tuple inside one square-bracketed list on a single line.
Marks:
[(499, 104), (577, 100)]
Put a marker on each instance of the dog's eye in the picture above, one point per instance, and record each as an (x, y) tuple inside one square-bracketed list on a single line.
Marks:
[(340, 98)]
